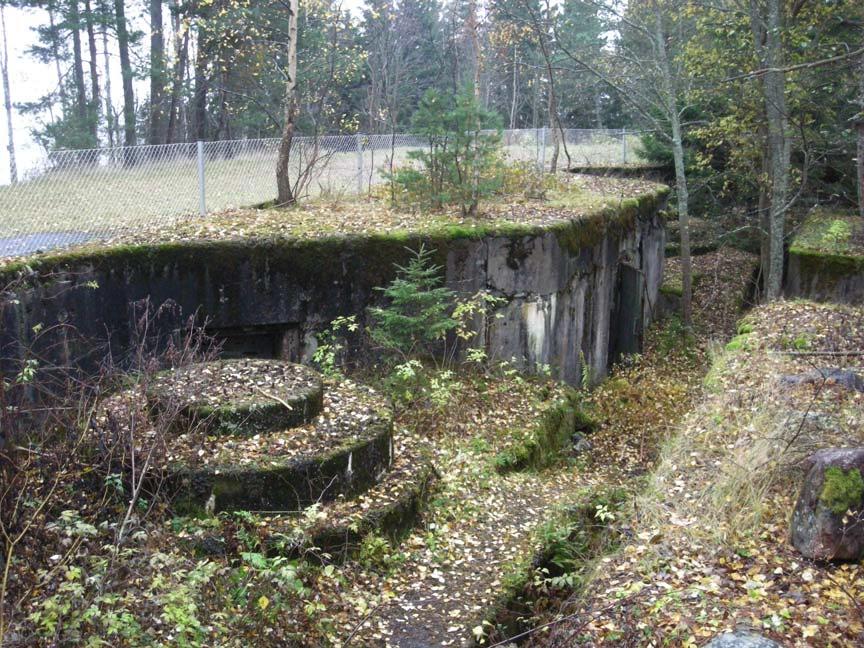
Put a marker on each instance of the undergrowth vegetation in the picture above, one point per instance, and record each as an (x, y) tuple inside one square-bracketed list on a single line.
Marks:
[(710, 547)]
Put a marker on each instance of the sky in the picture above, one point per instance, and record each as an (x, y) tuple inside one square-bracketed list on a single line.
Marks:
[(28, 81)]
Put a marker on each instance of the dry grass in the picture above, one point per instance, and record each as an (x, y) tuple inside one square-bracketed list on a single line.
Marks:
[(100, 199), (710, 549)]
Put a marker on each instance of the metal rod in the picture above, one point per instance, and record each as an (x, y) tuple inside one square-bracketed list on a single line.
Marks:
[(359, 140), (202, 193)]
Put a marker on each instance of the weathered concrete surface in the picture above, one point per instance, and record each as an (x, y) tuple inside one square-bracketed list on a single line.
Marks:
[(825, 278), (563, 291)]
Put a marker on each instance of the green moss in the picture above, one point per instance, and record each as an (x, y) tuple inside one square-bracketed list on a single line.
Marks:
[(712, 380), (842, 491), (830, 264), (830, 245), (673, 290), (740, 343), (548, 442), (380, 250)]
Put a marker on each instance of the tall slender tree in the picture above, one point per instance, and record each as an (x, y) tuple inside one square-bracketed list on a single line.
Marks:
[(285, 193), (7, 99), (157, 74), (130, 137), (767, 19), (74, 25), (94, 105)]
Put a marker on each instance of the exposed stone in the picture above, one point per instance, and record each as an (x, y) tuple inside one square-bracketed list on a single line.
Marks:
[(581, 445), (741, 639), (831, 376), (828, 523)]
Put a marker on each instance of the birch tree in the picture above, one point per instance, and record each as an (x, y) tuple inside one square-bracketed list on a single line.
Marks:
[(7, 99), (285, 194), (644, 69)]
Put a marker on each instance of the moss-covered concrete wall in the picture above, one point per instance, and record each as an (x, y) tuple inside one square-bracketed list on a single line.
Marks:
[(823, 276), (559, 282), (826, 257)]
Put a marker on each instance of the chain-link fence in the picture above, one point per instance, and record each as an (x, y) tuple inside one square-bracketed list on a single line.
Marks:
[(75, 196)]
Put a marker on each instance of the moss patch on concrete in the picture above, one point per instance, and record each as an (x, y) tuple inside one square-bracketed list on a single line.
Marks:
[(548, 442), (288, 483), (321, 234), (830, 242)]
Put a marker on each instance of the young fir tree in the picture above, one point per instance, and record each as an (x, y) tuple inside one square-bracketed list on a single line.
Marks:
[(418, 313)]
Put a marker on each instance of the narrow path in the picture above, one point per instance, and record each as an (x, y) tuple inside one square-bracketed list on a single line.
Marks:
[(441, 582)]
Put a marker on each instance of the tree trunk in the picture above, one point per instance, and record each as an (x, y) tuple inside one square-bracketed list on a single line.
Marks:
[(681, 191), (109, 104), (157, 73), (7, 100), (95, 95), (556, 140), (860, 167), (515, 93), (474, 29), (129, 135), (764, 213), (201, 87), (177, 87), (285, 193), (860, 127), (78, 64), (768, 28), (598, 108)]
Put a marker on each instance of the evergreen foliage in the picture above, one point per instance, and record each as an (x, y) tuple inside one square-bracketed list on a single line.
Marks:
[(459, 167), (418, 310)]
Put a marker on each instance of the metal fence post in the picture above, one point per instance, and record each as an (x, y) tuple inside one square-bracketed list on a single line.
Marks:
[(543, 149), (624, 145), (359, 139), (202, 194)]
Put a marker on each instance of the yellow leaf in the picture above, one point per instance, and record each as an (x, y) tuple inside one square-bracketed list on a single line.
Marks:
[(810, 631), (263, 602)]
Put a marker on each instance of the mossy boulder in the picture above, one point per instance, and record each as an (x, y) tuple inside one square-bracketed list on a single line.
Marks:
[(828, 523)]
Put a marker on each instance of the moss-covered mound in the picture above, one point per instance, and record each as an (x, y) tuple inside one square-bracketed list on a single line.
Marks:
[(243, 396), (826, 258), (343, 450), (390, 509), (831, 241), (831, 233)]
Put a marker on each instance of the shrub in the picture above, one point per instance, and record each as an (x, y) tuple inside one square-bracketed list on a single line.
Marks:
[(458, 166)]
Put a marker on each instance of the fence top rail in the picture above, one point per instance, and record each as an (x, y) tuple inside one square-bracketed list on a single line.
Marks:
[(329, 136)]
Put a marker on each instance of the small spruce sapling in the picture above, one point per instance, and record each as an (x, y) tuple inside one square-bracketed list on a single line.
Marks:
[(418, 313)]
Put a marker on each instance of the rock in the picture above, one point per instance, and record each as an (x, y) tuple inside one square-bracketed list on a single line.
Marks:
[(212, 545), (822, 527), (741, 639), (831, 376), (581, 445)]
